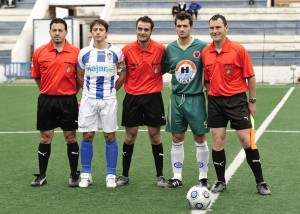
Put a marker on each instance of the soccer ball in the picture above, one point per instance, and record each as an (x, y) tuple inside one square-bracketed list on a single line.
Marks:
[(198, 197)]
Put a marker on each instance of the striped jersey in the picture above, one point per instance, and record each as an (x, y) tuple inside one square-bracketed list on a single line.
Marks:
[(100, 70)]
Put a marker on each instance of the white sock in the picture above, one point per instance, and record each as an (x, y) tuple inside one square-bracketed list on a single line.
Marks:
[(202, 155), (177, 157)]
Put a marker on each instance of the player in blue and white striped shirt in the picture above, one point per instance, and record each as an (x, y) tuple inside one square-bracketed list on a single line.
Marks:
[(101, 72), (101, 67)]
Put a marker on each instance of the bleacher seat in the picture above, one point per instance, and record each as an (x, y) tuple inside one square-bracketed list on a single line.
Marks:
[(275, 58), (25, 4), (170, 3), (12, 21), (5, 56), (242, 20), (279, 27), (11, 28)]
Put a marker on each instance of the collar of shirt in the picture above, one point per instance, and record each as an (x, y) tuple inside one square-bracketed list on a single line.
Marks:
[(149, 48), (67, 46), (226, 47)]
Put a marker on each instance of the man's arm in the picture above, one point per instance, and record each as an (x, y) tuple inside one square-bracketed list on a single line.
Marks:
[(80, 78), (120, 81), (165, 67), (252, 93), (198, 6), (207, 86), (35, 70), (38, 82), (252, 87)]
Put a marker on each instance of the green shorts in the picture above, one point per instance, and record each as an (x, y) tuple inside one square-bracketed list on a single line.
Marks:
[(184, 110)]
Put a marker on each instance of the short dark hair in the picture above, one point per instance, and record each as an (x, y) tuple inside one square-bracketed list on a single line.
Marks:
[(59, 20), (146, 19), (182, 16), (219, 16), (99, 22)]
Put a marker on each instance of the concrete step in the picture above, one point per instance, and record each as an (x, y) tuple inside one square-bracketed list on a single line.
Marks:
[(15, 11), (231, 14), (251, 42), (6, 46), (15, 18), (5, 53), (169, 4), (11, 31), (14, 15), (12, 21), (201, 27), (25, 4), (11, 24), (8, 38), (5, 56)]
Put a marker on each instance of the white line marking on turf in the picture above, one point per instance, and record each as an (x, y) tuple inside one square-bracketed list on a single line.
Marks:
[(241, 155), (281, 131)]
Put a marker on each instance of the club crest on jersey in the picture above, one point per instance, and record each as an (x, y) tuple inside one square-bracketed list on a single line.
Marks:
[(68, 69), (196, 54), (185, 71), (155, 67), (109, 56), (228, 71)]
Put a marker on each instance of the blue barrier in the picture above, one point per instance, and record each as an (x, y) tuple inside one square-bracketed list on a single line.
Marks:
[(14, 70)]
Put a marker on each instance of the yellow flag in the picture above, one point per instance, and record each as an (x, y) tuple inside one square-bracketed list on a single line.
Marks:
[(252, 134)]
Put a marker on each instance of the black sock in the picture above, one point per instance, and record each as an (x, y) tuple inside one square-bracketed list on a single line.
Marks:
[(44, 152), (219, 160), (252, 156), (127, 154), (158, 154), (73, 155)]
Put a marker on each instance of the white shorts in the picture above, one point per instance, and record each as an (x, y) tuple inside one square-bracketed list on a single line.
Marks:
[(95, 114)]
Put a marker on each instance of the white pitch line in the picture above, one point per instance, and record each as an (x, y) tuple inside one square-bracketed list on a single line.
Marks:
[(238, 160), (281, 131)]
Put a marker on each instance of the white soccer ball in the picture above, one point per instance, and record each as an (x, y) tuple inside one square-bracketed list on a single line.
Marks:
[(198, 197)]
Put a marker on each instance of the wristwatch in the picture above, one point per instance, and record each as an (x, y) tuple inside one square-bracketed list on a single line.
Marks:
[(252, 100)]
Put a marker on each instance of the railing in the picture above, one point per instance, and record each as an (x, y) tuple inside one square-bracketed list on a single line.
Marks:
[(13, 70)]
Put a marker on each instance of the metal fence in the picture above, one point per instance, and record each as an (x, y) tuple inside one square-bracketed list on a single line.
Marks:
[(14, 70)]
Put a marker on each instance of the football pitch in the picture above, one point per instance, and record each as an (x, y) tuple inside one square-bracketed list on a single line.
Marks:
[(278, 133)]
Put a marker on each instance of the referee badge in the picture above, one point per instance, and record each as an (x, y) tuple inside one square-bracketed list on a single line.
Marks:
[(155, 68), (228, 71), (68, 69)]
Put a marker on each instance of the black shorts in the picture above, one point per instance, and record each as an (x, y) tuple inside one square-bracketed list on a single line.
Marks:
[(235, 109), (57, 111), (146, 109)]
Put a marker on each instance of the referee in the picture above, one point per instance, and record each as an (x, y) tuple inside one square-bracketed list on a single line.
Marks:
[(229, 76), (54, 70)]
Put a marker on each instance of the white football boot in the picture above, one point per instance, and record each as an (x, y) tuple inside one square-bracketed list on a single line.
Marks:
[(111, 181), (85, 180)]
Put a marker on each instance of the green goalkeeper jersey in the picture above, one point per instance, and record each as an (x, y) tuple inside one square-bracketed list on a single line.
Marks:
[(185, 66)]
